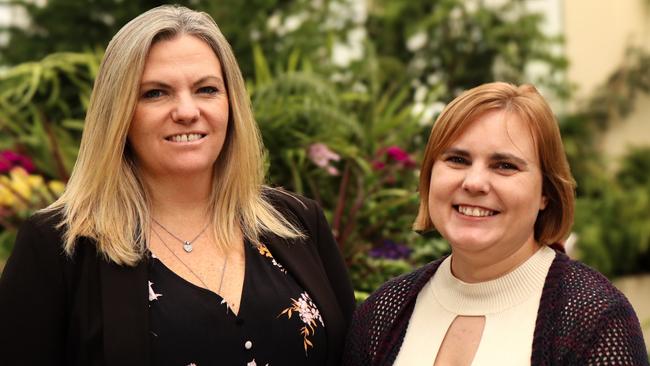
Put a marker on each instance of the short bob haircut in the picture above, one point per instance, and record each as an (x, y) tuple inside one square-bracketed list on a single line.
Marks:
[(554, 222), (106, 199)]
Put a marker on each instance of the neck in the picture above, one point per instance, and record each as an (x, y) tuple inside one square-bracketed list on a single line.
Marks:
[(481, 267), (179, 199)]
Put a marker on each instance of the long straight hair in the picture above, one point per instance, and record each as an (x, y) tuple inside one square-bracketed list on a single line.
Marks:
[(106, 199)]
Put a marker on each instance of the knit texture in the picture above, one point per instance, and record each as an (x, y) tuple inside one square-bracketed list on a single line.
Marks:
[(582, 320)]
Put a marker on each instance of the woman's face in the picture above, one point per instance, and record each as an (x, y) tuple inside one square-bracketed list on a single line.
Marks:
[(181, 116), (486, 188)]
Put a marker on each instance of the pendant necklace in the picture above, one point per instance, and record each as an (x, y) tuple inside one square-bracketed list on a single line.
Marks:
[(223, 268), (187, 244)]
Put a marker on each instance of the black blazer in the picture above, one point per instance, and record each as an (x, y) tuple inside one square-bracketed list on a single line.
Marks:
[(85, 310)]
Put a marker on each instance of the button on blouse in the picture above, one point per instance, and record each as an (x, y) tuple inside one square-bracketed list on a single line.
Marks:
[(277, 324)]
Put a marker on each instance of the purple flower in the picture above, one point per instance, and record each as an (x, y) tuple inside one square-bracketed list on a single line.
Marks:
[(390, 250), (321, 155), (10, 159)]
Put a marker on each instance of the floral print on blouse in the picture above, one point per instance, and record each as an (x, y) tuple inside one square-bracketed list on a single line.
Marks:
[(308, 313), (264, 251), (278, 322)]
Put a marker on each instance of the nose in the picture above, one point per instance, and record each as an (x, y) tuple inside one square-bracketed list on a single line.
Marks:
[(476, 180), (186, 110)]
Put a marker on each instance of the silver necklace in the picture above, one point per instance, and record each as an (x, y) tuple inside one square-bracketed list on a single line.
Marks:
[(187, 244), (223, 268)]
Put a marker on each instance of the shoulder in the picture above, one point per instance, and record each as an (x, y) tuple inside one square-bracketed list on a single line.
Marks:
[(43, 230), (286, 201), (37, 254), (584, 285), (46, 222), (298, 210), (394, 297), (402, 289), (580, 304), (380, 321), (579, 299)]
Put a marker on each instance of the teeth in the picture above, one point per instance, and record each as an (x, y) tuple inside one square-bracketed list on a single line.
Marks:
[(474, 211), (186, 137)]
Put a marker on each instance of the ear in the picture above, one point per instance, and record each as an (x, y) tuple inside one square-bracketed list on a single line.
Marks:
[(543, 202)]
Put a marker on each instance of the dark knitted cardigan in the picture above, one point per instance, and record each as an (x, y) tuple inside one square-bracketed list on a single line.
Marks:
[(582, 320)]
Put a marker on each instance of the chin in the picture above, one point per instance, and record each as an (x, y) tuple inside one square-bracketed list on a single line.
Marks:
[(470, 243), (189, 169)]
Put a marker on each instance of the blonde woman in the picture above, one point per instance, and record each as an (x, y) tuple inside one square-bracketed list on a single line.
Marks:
[(496, 184), (166, 248)]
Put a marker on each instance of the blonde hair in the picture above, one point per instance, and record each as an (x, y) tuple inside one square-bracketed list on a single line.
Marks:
[(554, 222), (106, 199)]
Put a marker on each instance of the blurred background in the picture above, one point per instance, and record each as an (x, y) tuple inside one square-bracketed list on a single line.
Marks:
[(345, 93)]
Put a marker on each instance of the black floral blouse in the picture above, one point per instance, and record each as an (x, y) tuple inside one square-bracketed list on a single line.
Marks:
[(278, 323)]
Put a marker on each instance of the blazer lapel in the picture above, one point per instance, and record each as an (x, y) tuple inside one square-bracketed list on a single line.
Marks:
[(125, 316)]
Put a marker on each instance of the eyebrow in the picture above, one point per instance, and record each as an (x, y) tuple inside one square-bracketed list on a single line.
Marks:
[(160, 84), (499, 156)]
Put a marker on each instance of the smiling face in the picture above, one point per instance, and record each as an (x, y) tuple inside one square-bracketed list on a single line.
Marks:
[(486, 188), (181, 117)]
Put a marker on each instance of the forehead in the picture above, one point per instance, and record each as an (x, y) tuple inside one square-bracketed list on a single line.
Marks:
[(183, 51), (498, 131)]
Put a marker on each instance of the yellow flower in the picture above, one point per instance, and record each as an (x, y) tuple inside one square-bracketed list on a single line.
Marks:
[(20, 182), (20, 190), (57, 187), (35, 181), (6, 197)]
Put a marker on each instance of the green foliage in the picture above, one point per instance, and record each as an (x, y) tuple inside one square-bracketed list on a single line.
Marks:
[(612, 220), (296, 109), (613, 217), (634, 168), (462, 43), (7, 239), (70, 26), (362, 82), (42, 106)]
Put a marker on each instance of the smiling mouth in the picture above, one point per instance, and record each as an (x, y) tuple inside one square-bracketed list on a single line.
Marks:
[(185, 137), (473, 211)]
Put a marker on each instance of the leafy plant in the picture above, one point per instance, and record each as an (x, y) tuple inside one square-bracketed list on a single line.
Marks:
[(345, 93), (42, 106)]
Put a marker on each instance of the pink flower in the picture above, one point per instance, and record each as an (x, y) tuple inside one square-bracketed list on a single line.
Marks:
[(390, 154), (321, 155), (378, 165), (5, 165), (396, 153), (399, 155), (10, 159)]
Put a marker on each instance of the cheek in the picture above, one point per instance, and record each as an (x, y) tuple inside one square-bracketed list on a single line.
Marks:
[(139, 139), (135, 136), (526, 195), (439, 193)]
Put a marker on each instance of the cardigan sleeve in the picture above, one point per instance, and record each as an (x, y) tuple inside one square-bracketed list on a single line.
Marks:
[(32, 299), (357, 350), (618, 339)]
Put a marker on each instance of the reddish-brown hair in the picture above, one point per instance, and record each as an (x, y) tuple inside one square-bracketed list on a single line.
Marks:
[(554, 222)]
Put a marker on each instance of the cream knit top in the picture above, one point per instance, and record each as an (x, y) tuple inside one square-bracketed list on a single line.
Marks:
[(509, 304)]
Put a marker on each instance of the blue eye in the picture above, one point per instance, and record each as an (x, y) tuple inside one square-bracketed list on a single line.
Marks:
[(208, 90), (152, 94)]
